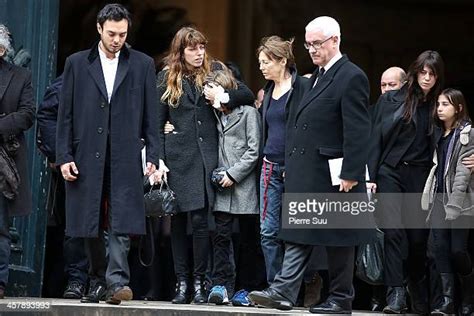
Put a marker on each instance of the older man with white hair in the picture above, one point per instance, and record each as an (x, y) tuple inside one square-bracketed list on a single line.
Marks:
[(331, 121), (16, 116)]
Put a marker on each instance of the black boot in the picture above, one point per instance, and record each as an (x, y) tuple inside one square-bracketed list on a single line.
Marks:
[(200, 296), (467, 287), (446, 307), (182, 293), (418, 292), (396, 300)]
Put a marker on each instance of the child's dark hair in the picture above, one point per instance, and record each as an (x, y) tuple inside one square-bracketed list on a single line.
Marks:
[(457, 100)]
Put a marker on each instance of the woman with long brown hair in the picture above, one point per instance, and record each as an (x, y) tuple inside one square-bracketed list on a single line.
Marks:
[(190, 151), (400, 162)]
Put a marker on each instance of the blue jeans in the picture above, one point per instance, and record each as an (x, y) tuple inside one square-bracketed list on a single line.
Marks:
[(5, 241), (271, 191)]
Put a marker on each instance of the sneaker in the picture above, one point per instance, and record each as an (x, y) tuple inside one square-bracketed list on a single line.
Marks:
[(218, 295), (241, 299)]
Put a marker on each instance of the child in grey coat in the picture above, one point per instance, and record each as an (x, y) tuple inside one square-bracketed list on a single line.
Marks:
[(239, 143)]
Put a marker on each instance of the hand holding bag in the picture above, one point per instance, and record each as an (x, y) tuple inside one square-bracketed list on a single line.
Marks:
[(158, 202)]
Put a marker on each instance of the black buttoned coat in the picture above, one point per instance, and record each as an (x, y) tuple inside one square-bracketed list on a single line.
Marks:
[(86, 120), (17, 112), (191, 150), (331, 121)]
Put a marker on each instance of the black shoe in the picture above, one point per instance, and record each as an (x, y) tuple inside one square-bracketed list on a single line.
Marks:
[(377, 302), (118, 293), (467, 291), (271, 299), (376, 305), (96, 293), (2, 293), (396, 300), (418, 292), (200, 295), (74, 290), (446, 307), (182, 293), (328, 307)]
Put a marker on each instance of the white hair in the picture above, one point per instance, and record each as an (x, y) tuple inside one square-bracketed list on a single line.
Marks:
[(5, 39), (325, 24)]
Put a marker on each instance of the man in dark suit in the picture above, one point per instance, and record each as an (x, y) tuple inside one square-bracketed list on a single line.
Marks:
[(331, 121), (108, 106)]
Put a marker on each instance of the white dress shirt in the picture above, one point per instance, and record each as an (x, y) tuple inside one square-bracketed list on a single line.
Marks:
[(109, 69)]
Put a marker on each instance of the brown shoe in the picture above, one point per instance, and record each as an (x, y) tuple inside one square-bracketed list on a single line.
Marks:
[(2, 292), (119, 294)]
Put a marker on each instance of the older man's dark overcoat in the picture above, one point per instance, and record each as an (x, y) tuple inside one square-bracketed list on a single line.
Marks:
[(331, 121)]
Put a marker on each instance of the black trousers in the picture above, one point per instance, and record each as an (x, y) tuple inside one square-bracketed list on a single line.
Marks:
[(340, 269), (224, 265), (450, 246), (399, 210), (183, 257)]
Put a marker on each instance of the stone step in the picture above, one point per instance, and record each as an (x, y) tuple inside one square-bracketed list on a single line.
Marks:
[(62, 307)]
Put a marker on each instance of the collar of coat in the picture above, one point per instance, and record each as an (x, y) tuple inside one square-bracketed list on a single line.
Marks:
[(94, 53)]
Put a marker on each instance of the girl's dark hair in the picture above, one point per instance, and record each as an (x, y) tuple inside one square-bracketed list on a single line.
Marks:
[(457, 100), (415, 95), (114, 12)]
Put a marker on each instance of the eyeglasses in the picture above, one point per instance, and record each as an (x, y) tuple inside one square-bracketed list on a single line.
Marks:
[(316, 45)]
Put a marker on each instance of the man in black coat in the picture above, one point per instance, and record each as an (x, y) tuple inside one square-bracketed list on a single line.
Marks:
[(108, 106), (17, 112), (331, 121)]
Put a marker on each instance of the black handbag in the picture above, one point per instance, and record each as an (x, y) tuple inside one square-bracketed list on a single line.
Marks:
[(370, 261), (160, 201)]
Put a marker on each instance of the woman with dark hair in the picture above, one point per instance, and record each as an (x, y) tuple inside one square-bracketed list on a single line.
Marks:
[(400, 163), (191, 151), (283, 90), (448, 197)]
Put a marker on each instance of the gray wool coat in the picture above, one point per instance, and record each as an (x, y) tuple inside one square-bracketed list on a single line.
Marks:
[(459, 196), (239, 143)]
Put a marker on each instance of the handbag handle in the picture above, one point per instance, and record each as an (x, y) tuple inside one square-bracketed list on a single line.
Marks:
[(161, 184)]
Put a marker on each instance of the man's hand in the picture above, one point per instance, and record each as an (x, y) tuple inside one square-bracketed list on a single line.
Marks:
[(69, 171), (161, 173), (150, 168), (347, 185), (225, 182), (469, 162)]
